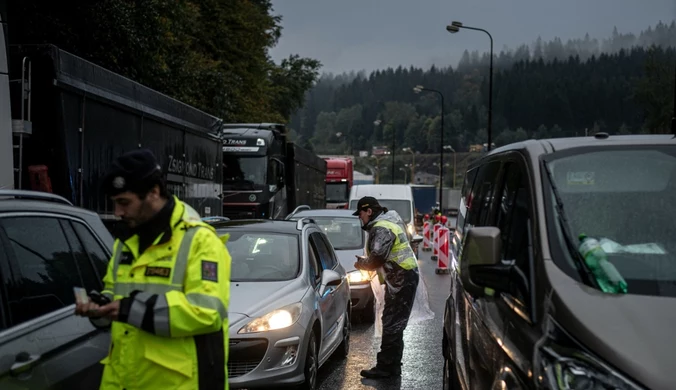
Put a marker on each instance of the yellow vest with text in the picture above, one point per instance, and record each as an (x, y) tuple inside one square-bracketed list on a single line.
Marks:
[(176, 336), (401, 252)]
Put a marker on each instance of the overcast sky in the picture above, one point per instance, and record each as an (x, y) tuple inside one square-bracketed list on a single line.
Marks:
[(374, 34)]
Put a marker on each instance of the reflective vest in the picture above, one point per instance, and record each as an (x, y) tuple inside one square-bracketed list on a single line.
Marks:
[(401, 252), (176, 335)]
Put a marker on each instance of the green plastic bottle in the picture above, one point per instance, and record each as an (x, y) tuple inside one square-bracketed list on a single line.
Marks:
[(605, 273)]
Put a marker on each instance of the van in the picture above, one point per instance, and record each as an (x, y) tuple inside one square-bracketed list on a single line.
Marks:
[(397, 197), (526, 309)]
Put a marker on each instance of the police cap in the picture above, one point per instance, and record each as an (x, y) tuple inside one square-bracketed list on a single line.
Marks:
[(129, 171), (365, 203)]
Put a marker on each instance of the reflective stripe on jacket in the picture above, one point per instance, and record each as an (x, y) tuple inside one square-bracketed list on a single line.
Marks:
[(401, 252), (176, 334)]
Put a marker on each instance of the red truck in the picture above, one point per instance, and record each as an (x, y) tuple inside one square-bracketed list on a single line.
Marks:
[(339, 180)]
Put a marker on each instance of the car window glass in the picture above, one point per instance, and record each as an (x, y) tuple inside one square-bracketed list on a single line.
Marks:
[(93, 247), (315, 266), (466, 198), (482, 194), (89, 275), (324, 254), (332, 261), (512, 219), (261, 256), (46, 269)]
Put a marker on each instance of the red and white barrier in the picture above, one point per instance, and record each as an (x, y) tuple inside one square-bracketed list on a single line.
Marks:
[(435, 240), (427, 241), (444, 250)]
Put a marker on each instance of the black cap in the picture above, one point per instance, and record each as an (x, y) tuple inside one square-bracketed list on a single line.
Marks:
[(127, 172), (367, 202)]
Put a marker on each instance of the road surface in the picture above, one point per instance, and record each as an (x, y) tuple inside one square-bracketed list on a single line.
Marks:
[(423, 363)]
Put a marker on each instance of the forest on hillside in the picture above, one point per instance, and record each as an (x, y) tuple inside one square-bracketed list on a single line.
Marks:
[(620, 85)]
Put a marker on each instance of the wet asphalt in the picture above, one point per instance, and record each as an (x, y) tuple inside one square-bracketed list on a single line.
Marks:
[(423, 363)]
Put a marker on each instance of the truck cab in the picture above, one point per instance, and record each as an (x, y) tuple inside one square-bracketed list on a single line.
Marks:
[(339, 181), (253, 170)]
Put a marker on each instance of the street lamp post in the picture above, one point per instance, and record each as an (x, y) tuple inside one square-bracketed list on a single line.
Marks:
[(454, 28), (418, 89), (449, 147), (412, 163)]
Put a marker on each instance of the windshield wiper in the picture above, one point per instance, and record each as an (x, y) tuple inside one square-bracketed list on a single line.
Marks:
[(582, 266)]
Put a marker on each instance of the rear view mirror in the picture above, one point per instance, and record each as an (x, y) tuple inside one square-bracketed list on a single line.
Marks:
[(481, 264), (330, 279)]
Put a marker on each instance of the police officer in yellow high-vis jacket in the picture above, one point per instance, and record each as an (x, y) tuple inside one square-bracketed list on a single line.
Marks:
[(388, 247), (168, 283)]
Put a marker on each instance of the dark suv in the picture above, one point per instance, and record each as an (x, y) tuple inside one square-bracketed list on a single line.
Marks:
[(47, 247), (526, 309)]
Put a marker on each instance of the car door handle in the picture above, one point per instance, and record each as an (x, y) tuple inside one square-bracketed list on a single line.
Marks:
[(23, 362)]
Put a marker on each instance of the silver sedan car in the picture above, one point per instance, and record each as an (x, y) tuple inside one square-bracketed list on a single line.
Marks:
[(290, 303), (348, 239)]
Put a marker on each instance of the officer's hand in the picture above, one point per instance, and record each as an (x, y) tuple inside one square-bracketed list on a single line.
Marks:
[(86, 309), (111, 310)]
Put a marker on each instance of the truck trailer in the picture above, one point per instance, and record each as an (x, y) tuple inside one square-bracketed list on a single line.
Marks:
[(266, 176), (71, 118)]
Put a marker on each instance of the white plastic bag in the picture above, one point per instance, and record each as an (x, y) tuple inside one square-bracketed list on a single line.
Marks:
[(379, 295), (421, 306)]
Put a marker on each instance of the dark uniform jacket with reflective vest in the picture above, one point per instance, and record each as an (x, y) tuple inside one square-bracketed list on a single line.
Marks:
[(176, 333)]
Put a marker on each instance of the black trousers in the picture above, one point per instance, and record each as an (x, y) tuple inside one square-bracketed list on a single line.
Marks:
[(398, 306)]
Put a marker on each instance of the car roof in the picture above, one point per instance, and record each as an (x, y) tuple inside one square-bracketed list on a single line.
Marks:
[(381, 191), (325, 213), (551, 145), (258, 225)]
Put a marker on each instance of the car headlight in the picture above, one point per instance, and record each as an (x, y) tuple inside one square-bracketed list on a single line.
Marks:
[(358, 276), (577, 370), (276, 319), (411, 229)]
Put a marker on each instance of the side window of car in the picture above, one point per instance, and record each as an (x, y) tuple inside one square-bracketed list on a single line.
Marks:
[(324, 253), (94, 248), (90, 275), (44, 270), (466, 193), (481, 196), (512, 219), (332, 261), (315, 266)]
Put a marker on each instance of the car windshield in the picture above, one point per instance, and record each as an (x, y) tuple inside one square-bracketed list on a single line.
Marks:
[(262, 257), (402, 207), (624, 198), (344, 233), (243, 171)]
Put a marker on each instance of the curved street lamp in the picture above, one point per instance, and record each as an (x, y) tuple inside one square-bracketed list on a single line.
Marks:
[(419, 89), (455, 27)]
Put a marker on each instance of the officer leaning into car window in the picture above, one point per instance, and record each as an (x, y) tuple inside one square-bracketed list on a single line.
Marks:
[(388, 247), (169, 283)]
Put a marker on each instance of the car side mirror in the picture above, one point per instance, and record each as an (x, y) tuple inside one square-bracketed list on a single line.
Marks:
[(417, 239), (330, 279), (481, 264)]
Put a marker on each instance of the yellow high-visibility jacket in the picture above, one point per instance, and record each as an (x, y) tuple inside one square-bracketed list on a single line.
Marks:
[(175, 335)]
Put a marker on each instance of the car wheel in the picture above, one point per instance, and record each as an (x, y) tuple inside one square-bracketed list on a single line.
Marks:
[(450, 376), (311, 364), (344, 348), (368, 314)]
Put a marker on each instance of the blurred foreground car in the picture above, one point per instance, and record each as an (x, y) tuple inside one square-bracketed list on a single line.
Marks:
[(47, 247)]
